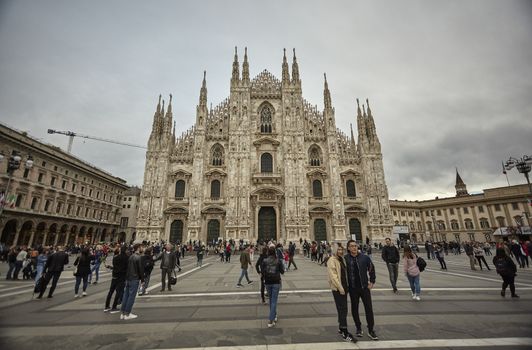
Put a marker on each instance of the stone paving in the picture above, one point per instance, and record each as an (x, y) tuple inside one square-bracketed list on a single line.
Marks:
[(207, 310)]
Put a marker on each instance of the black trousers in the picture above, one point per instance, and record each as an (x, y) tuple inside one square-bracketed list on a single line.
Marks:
[(442, 263), (508, 280), (54, 276), (117, 285), (262, 288), (341, 307), (165, 273), (365, 294), (291, 262), (481, 258)]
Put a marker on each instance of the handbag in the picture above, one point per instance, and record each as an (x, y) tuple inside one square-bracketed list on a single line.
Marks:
[(173, 279)]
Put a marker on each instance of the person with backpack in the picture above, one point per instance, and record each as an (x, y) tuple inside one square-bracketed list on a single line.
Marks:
[(97, 259), (478, 251), (118, 280), (83, 270), (199, 255), (245, 262), (507, 269), (134, 278), (272, 268), (412, 272), (468, 248), (438, 252), (361, 279), (337, 276), (258, 267), (148, 263), (291, 253)]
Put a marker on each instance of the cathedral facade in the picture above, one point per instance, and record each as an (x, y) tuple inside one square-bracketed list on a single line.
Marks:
[(263, 164)]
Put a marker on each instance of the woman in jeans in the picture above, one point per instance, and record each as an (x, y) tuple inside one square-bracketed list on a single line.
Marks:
[(479, 254), (272, 268), (337, 274), (41, 262), (148, 263), (412, 272), (258, 267), (83, 264)]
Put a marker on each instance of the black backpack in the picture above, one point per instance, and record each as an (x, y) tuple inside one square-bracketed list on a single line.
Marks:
[(421, 263), (501, 266), (271, 271)]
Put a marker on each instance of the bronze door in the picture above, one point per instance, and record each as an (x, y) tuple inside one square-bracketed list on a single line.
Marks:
[(267, 224)]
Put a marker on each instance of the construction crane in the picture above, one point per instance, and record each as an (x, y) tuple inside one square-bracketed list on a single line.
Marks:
[(72, 134)]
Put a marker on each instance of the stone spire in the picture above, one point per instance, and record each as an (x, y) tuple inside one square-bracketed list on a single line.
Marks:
[(168, 118), (245, 67), (361, 125), (352, 137), (371, 123), (286, 74), (460, 186), (295, 70), (235, 77), (203, 91), (156, 116), (326, 94)]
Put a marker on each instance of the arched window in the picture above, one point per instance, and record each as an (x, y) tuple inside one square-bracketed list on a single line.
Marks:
[(501, 221), (518, 220), (396, 223), (468, 224), (350, 189), (314, 156), (441, 225), (215, 189), (266, 114), (217, 154), (412, 226), (180, 189), (484, 223), (266, 163), (454, 225), (419, 226), (316, 189), (429, 225)]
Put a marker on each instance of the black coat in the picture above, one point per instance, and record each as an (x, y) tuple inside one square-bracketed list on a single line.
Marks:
[(120, 266), (390, 254), (83, 264), (56, 262)]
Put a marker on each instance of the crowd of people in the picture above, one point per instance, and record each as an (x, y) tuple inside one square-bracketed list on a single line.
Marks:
[(351, 271)]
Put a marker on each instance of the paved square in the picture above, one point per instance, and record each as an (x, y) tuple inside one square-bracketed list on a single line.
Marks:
[(460, 308)]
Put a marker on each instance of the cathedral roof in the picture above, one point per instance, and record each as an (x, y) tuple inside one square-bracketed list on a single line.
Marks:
[(265, 82)]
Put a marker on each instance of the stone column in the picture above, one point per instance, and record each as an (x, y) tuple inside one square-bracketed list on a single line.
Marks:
[(31, 238)]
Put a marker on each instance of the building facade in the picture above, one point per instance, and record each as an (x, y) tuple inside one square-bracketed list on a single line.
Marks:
[(60, 200), (263, 164), (130, 209), (465, 217)]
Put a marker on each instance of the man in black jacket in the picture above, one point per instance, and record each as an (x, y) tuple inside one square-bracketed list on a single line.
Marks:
[(390, 255), (168, 264), (361, 278), (52, 270), (134, 278), (118, 280)]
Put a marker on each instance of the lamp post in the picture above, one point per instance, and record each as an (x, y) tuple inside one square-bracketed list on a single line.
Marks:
[(13, 164), (523, 165)]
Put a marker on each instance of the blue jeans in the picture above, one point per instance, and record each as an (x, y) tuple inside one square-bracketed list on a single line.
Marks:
[(130, 293), (40, 269), (142, 289), (243, 274), (414, 284), (273, 292), (78, 282), (96, 268), (10, 271)]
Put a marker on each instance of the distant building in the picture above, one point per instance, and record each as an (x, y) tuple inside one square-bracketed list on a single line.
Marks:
[(466, 216), (130, 208), (60, 200), (263, 164)]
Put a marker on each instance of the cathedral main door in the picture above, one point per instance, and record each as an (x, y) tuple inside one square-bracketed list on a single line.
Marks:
[(213, 231), (176, 231), (320, 230), (267, 225)]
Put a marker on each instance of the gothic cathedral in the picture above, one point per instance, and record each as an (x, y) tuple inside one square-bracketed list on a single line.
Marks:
[(263, 164)]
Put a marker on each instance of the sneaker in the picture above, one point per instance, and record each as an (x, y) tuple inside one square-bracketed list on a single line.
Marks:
[(359, 333), (413, 296), (76, 295), (130, 317), (418, 298), (503, 293), (271, 324), (114, 311), (250, 282), (239, 285), (373, 335), (107, 309), (50, 296), (84, 294), (95, 282), (348, 337), (395, 290), (264, 302), (122, 316), (515, 296), (275, 319)]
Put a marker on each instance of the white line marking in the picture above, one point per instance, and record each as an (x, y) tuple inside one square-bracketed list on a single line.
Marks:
[(387, 344), (149, 289), (475, 277), (321, 291)]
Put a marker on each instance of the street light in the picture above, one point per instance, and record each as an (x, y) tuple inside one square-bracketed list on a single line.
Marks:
[(13, 164), (523, 165)]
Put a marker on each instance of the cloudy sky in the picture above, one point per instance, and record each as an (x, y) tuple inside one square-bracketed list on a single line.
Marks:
[(449, 82)]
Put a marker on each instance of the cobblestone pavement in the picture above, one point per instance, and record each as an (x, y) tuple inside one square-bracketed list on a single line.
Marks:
[(460, 309)]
